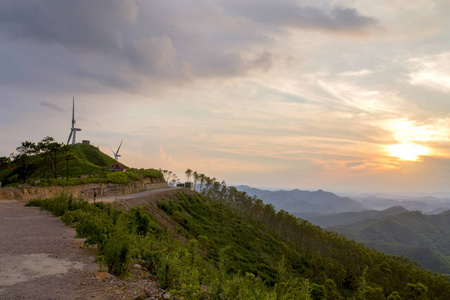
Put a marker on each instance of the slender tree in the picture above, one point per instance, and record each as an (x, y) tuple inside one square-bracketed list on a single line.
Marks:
[(188, 175), (202, 178), (196, 178)]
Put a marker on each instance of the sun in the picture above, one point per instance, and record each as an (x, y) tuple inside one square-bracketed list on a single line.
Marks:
[(407, 151)]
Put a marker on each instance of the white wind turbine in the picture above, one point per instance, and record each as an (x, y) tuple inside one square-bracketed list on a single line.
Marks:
[(73, 130), (116, 154)]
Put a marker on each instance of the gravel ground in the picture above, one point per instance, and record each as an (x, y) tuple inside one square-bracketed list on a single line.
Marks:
[(41, 259)]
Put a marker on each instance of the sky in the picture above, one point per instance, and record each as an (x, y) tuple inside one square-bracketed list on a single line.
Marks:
[(343, 95)]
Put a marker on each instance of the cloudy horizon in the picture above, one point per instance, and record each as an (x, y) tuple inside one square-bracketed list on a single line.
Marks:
[(337, 95)]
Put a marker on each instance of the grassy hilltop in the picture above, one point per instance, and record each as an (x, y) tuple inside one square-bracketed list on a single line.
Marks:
[(51, 163)]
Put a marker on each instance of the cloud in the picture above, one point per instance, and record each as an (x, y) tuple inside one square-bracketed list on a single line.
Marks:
[(139, 45), (288, 13), (354, 164), (87, 26), (52, 106), (362, 72), (431, 71)]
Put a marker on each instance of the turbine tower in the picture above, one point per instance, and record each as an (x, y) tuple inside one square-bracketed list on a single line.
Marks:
[(116, 154), (73, 130)]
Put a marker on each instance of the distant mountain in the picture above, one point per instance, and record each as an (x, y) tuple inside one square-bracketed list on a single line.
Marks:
[(297, 201), (425, 238), (426, 204), (347, 218)]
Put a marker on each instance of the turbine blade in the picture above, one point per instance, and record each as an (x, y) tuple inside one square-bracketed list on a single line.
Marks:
[(119, 146), (70, 135), (73, 112)]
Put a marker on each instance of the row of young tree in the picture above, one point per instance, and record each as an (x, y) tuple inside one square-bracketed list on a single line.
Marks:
[(328, 256), (51, 152), (200, 181)]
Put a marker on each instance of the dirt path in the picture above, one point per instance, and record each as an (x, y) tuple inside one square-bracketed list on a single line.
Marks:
[(41, 259)]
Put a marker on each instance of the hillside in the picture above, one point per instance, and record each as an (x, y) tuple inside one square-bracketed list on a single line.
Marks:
[(64, 165), (298, 201), (224, 244), (425, 238)]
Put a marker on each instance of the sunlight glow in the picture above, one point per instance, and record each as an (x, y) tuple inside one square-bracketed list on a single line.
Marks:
[(407, 151)]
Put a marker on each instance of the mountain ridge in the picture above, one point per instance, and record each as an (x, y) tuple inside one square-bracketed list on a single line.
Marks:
[(300, 201)]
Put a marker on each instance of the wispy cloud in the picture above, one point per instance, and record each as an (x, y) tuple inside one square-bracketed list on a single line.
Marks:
[(431, 71), (52, 106)]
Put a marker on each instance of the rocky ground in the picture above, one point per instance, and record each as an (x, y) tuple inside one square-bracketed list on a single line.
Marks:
[(41, 259)]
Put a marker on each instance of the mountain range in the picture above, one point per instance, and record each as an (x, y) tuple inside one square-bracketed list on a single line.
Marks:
[(298, 201)]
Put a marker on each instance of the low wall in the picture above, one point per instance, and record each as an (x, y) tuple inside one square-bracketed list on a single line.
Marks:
[(85, 190)]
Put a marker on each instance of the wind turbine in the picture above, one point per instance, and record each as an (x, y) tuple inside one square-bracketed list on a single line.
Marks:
[(116, 154), (73, 130)]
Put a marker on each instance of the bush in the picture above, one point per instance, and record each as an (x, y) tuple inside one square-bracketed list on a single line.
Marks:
[(117, 177), (117, 254), (59, 204)]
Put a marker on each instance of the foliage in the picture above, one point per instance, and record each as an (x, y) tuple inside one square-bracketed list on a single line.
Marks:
[(51, 163), (235, 247), (412, 234)]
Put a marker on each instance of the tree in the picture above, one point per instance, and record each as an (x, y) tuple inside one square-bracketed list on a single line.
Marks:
[(50, 150), (196, 178), (21, 159), (188, 174), (202, 181), (4, 162), (68, 156), (415, 291)]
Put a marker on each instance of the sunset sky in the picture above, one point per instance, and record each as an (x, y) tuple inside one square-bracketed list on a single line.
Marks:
[(344, 95)]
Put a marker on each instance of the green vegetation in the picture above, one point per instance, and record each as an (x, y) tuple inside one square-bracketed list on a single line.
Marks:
[(235, 247), (51, 163), (424, 238)]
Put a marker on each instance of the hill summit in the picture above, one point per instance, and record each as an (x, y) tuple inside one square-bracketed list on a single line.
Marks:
[(51, 163)]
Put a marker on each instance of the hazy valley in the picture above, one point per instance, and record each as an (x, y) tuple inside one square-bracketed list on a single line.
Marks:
[(392, 225)]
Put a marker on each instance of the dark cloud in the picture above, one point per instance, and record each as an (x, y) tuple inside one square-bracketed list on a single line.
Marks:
[(131, 44), (82, 25), (290, 13), (52, 106)]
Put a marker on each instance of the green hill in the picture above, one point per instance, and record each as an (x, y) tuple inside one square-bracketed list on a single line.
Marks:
[(64, 165), (224, 244), (425, 238)]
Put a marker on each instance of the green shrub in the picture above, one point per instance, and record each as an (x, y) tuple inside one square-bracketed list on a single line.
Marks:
[(117, 254), (96, 229), (142, 221), (117, 177), (59, 204)]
